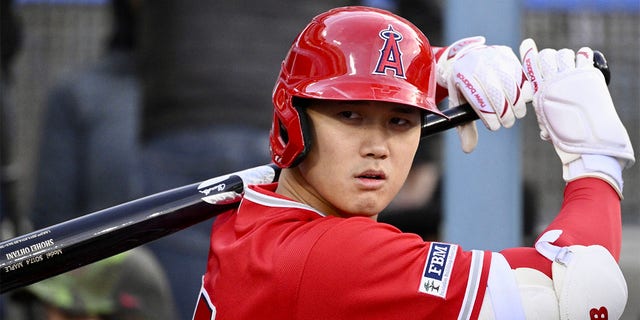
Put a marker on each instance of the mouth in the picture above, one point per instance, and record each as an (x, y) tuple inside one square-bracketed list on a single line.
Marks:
[(371, 179), (375, 175)]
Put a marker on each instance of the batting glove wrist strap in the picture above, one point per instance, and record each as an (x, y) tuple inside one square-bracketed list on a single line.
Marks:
[(606, 168)]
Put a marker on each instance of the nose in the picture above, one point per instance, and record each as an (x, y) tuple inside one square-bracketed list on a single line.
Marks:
[(375, 144)]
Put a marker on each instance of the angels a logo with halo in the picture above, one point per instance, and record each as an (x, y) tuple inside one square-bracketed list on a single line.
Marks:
[(390, 54)]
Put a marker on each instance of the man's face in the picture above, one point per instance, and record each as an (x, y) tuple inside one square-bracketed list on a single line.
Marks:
[(360, 156)]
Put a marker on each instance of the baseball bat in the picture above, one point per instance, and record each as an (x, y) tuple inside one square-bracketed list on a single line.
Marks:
[(71, 244), (53, 250)]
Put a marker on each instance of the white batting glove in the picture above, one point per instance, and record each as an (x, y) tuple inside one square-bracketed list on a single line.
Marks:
[(575, 112), (490, 78)]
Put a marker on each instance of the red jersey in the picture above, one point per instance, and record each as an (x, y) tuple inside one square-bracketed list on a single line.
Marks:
[(274, 258)]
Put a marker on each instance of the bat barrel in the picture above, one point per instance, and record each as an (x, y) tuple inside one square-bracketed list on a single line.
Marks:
[(56, 249), (71, 244)]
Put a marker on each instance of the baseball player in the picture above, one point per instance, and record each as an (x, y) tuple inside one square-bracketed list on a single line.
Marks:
[(348, 107)]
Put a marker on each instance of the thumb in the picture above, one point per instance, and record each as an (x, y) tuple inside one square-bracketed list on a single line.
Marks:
[(468, 134), (529, 57)]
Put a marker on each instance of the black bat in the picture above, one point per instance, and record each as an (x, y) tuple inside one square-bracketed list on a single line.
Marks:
[(74, 243), (71, 244)]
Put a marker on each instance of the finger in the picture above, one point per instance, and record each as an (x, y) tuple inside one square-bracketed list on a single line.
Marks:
[(520, 108), (528, 48), (526, 90), (471, 88), (455, 97), (473, 91), (513, 82), (566, 60), (584, 58), (516, 75), (529, 57), (466, 43), (548, 62), (496, 86), (468, 134)]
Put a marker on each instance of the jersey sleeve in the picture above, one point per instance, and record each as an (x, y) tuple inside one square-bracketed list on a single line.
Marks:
[(590, 215), (361, 269)]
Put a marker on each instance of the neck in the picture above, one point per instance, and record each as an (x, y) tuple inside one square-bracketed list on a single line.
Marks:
[(293, 185)]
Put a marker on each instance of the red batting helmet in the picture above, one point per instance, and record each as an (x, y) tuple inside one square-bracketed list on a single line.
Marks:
[(349, 53)]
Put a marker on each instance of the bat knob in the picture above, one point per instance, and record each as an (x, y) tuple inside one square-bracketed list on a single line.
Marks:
[(600, 62)]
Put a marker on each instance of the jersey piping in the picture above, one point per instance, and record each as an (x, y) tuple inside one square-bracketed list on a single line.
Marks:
[(270, 201)]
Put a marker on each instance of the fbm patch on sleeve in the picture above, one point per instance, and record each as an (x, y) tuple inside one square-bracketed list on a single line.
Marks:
[(437, 269)]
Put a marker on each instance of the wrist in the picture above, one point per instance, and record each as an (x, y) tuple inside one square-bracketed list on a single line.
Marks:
[(603, 167)]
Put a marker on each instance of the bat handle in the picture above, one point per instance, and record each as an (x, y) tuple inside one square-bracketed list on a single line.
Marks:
[(455, 116), (464, 113)]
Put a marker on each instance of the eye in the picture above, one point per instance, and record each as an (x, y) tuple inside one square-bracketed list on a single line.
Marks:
[(405, 117), (400, 121), (349, 115), (404, 122)]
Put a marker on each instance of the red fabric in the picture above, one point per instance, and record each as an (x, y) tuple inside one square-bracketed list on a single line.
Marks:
[(281, 262), (277, 259), (590, 215)]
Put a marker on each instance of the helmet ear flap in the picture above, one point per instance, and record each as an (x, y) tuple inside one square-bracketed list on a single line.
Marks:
[(290, 133), (300, 105)]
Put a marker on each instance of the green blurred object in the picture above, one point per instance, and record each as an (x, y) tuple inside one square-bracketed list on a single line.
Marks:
[(88, 290), (130, 285)]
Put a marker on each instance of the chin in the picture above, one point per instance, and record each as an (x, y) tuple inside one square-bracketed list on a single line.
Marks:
[(367, 212)]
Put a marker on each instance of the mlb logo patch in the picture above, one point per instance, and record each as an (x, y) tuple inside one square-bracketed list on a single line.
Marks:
[(437, 269)]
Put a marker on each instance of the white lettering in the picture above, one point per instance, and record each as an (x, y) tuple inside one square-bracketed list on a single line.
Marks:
[(435, 269), (17, 253), (438, 259), (12, 267), (35, 259), (218, 188), (41, 245), (53, 253)]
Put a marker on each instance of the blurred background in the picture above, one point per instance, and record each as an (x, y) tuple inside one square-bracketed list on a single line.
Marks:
[(198, 72)]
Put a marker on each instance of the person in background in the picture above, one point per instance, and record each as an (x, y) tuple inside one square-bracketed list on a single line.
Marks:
[(88, 151), (11, 222), (127, 286), (88, 147), (11, 41)]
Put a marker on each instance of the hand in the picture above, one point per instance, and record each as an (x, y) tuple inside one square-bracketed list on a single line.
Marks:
[(575, 112), (490, 78)]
